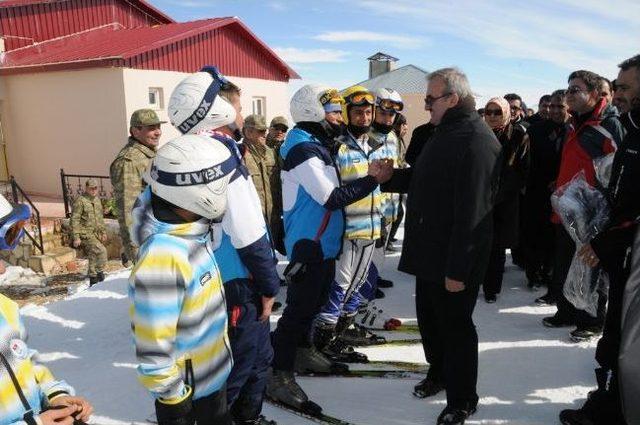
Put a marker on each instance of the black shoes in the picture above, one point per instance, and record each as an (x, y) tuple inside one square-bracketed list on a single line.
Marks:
[(456, 416), (427, 388), (557, 321), (585, 333), (490, 298), (384, 283), (379, 294)]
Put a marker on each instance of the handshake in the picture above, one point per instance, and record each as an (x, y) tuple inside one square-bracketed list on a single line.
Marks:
[(381, 170)]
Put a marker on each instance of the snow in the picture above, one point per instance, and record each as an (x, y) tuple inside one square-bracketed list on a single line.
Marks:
[(527, 372)]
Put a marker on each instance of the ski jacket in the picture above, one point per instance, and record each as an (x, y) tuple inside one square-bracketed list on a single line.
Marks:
[(363, 217), (246, 231), (35, 381), (598, 135), (390, 151), (313, 198), (178, 311)]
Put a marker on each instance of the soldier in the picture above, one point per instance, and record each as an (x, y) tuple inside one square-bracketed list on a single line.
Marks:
[(127, 169), (262, 163), (87, 226), (277, 132)]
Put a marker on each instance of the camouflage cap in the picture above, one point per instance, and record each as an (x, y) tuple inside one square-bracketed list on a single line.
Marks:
[(280, 120), (143, 117), (91, 183), (255, 121)]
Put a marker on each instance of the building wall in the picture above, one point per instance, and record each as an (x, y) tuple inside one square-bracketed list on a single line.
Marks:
[(67, 119), (138, 82), (78, 120), (414, 111)]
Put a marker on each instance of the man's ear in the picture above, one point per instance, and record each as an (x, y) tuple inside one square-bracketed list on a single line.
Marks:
[(453, 100)]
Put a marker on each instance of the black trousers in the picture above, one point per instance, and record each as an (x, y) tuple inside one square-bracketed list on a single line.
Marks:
[(492, 283), (396, 224), (449, 338), (212, 410), (306, 295), (564, 252)]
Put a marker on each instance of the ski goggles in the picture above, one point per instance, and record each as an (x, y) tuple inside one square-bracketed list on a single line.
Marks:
[(360, 98), (12, 226), (331, 96), (219, 81), (389, 105)]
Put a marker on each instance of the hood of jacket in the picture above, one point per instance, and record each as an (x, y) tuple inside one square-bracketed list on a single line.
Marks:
[(145, 224)]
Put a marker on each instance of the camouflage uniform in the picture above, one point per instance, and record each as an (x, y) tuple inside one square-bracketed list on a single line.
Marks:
[(263, 165), (126, 173), (87, 224)]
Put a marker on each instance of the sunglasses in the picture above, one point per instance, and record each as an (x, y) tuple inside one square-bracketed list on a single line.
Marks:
[(493, 112), (359, 99), (280, 128), (389, 105), (430, 100), (574, 90)]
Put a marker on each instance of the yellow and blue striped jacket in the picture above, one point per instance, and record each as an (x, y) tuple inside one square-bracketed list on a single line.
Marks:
[(363, 216), (36, 381), (178, 311), (390, 201)]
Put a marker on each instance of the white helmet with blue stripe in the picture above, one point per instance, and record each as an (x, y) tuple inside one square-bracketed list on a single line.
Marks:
[(192, 173)]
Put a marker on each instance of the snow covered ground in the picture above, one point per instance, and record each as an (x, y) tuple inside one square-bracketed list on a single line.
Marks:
[(527, 373)]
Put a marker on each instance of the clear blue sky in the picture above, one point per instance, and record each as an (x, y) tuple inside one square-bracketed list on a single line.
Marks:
[(527, 47)]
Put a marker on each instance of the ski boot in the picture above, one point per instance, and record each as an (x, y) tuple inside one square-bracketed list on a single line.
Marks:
[(283, 388), (309, 360), (338, 351), (371, 316), (260, 420), (357, 336)]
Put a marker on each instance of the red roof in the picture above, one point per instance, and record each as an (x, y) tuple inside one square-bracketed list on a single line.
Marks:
[(140, 3), (112, 46)]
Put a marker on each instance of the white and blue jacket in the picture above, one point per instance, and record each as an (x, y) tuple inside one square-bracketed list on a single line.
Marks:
[(312, 197)]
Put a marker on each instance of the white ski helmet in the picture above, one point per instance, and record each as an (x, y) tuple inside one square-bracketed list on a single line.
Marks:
[(306, 105), (389, 100), (192, 172), (195, 103)]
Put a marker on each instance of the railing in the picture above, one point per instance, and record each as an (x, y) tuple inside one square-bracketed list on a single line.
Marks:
[(73, 185), (15, 195)]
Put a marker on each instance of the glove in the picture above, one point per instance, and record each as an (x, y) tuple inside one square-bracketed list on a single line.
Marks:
[(180, 413)]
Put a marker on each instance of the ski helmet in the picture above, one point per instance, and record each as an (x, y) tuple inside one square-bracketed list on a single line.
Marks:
[(389, 100), (355, 96), (192, 173), (306, 105), (13, 219), (195, 103)]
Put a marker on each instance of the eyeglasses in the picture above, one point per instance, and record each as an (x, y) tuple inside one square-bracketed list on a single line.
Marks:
[(430, 100), (574, 90), (493, 112), (389, 105)]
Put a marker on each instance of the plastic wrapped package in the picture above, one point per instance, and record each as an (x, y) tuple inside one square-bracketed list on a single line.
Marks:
[(603, 166), (584, 212)]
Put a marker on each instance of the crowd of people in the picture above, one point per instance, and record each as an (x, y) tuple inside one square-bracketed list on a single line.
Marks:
[(203, 215)]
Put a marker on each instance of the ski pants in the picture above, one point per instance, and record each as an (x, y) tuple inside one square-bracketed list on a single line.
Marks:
[(351, 273), (252, 354), (307, 293)]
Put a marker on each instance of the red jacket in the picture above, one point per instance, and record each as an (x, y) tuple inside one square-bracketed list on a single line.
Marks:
[(599, 135)]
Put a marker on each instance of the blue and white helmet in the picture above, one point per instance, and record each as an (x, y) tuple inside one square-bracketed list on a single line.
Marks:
[(12, 222)]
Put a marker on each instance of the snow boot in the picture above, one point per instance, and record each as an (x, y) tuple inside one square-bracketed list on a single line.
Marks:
[(453, 416), (283, 388), (93, 280), (100, 276), (371, 316), (585, 333), (310, 360), (427, 388)]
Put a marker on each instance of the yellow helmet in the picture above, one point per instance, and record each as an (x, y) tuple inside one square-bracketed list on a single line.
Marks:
[(331, 100), (356, 96)]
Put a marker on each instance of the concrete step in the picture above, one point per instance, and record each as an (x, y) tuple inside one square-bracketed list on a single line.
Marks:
[(56, 261)]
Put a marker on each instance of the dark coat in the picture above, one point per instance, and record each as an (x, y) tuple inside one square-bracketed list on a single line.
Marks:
[(514, 162), (449, 202), (419, 138)]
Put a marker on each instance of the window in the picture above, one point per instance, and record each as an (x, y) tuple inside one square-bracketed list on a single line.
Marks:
[(156, 99), (258, 106)]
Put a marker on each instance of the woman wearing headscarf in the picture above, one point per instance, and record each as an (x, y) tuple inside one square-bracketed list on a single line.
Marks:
[(514, 162)]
